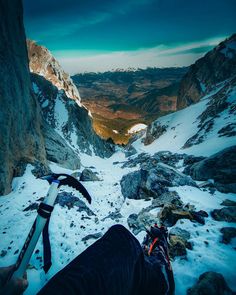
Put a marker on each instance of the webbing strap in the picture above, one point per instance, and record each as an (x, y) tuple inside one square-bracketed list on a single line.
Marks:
[(45, 211)]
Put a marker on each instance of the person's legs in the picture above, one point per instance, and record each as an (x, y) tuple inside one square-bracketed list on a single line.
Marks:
[(106, 267)]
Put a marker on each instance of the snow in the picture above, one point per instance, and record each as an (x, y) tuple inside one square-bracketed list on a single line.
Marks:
[(183, 124), (137, 128), (65, 224)]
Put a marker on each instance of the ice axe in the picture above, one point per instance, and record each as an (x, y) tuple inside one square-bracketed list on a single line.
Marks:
[(44, 212)]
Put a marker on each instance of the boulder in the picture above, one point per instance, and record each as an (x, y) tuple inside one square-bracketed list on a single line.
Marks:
[(228, 234), (170, 214), (154, 131), (228, 202), (221, 167), (138, 222), (145, 183), (167, 198), (69, 200), (225, 214), (177, 246), (94, 236), (89, 175), (58, 151), (210, 283), (177, 231)]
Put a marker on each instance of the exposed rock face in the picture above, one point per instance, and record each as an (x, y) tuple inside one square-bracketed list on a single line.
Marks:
[(42, 62), (89, 175), (143, 184), (58, 151), (216, 66), (221, 167), (228, 234), (71, 121), (225, 214), (20, 136), (210, 283), (154, 131)]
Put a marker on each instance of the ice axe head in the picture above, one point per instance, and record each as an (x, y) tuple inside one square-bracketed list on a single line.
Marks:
[(65, 179)]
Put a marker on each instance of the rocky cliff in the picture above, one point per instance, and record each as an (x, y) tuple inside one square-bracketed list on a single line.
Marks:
[(20, 135), (42, 62), (61, 109), (216, 66)]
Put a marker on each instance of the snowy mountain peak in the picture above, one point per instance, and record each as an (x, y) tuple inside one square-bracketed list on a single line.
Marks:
[(42, 62)]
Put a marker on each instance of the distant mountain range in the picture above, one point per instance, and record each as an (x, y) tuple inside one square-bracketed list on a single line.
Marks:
[(120, 99)]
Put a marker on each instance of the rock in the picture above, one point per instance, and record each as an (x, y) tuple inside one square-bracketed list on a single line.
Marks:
[(228, 234), (43, 63), (58, 151), (210, 283), (177, 231), (138, 222), (31, 207), (167, 198), (129, 151), (228, 202), (225, 214), (114, 216), (89, 175), (154, 131), (70, 201), (170, 214), (190, 159), (177, 246), (3, 253), (206, 72), (94, 236), (221, 167), (143, 184), (21, 139)]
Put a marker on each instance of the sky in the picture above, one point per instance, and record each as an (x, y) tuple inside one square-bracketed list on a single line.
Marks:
[(100, 35)]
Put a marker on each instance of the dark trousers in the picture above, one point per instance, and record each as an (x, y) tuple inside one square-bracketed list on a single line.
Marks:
[(113, 265)]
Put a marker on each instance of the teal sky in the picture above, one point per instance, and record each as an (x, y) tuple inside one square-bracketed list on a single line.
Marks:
[(96, 35)]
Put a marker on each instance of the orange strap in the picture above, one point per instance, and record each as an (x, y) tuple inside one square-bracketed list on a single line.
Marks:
[(152, 245)]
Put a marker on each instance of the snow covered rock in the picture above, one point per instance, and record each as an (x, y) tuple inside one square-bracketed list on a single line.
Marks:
[(144, 183), (221, 167), (89, 175), (71, 121), (154, 131), (228, 233), (58, 151), (225, 214), (210, 283)]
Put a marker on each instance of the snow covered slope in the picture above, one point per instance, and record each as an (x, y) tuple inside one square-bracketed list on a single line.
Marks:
[(200, 129)]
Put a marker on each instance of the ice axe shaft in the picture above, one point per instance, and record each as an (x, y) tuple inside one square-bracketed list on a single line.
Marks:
[(34, 234)]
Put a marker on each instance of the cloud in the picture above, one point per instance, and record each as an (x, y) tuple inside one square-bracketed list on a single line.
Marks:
[(159, 56)]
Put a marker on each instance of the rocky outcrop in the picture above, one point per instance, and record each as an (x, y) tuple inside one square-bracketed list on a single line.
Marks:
[(210, 283), (58, 151), (89, 175), (21, 139), (216, 66), (154, 131), (221, 167), (225, 214), (42, 62), (146, 183), (228, 233), (71, 121)]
